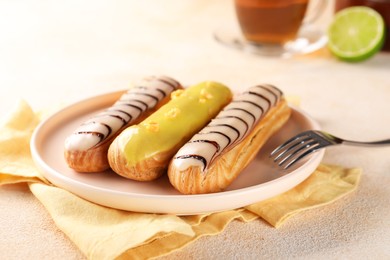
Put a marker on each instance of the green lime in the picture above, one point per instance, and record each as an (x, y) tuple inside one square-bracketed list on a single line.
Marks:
[(356, 33)]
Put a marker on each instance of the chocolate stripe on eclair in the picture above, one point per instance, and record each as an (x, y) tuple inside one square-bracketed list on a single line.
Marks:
[(229, 140), (99, 135), (272, 88), (270, 91), (243, 110), (147, 95), (127, 103), (122, 112), (237, 118), (260, 96), (230, 126), (214, 143), (130, 106), (162, 92), (141, 104), (171, 82), (194, 156)]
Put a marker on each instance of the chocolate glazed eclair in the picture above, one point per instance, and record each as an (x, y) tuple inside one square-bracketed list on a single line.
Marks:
[(86, 148), (215, 156)]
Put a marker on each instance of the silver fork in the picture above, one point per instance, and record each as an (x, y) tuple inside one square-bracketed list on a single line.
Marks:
[(305, 143)]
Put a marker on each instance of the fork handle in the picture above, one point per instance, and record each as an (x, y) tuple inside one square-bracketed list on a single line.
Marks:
[(384, 142)]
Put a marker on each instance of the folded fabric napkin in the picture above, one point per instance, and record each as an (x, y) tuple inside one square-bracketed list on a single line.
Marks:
[(105, 233)]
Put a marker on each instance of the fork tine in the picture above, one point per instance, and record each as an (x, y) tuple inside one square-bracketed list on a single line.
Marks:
[(287, 143), (291, 146), (298, 158), (302, 149)]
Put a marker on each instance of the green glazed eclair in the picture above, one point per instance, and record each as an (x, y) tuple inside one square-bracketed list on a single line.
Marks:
[(142, 152)]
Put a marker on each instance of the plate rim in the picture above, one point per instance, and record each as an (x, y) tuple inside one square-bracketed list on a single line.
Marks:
[(64, 181)]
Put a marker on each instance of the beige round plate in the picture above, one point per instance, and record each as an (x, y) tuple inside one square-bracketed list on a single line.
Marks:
[(259, 181)]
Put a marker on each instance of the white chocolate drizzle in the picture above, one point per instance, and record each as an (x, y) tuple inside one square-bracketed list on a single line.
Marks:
[(131, 105), (229, 128)]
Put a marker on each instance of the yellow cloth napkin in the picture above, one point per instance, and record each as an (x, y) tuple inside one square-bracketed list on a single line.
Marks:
[(105, 233)]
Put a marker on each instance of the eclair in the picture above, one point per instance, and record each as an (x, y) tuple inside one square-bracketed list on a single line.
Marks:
[(215, 156), (142, 152), (86, 148)]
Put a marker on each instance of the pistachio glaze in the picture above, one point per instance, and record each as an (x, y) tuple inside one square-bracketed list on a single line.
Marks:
[(230, 127), (172, 125), (131, 105)]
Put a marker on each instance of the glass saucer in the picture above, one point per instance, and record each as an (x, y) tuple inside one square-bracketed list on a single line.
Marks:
[(309, 39)]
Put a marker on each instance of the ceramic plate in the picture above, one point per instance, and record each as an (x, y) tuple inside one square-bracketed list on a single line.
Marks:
[(259, 181)]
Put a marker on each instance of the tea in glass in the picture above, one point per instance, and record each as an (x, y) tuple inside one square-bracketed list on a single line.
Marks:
[(270, 21)]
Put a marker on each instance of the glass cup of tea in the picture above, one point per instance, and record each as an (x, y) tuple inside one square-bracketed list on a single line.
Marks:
[(275, 27)]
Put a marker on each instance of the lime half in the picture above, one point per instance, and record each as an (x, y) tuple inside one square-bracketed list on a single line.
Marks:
[(356, 33)]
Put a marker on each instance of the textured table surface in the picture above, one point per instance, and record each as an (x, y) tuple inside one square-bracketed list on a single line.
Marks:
[(55, 53)]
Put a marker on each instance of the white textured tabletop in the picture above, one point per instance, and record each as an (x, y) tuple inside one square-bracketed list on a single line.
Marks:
[(56, 52)]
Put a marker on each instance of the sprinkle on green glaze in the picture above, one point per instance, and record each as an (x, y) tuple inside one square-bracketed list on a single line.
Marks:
[(176, 122)]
